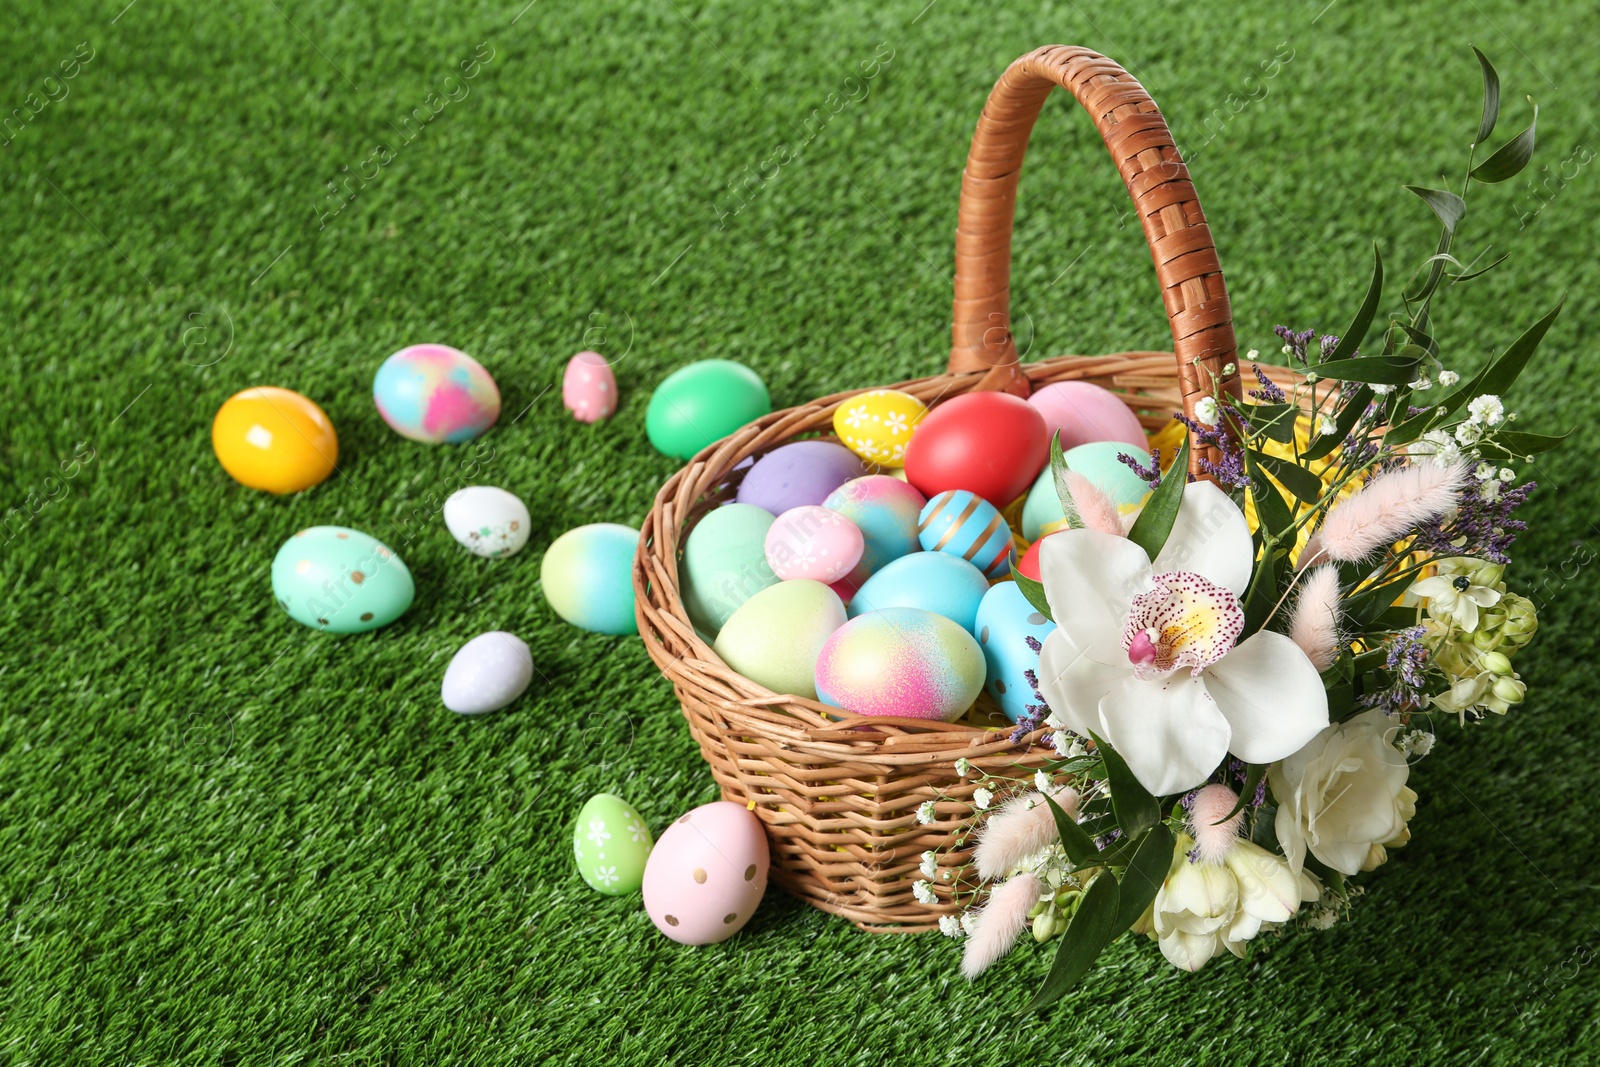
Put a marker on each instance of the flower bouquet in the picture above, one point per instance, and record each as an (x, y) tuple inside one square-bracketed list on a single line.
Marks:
[(1239, 679)]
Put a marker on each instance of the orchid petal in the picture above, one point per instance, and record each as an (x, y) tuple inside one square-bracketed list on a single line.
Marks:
[(1090, 579), (1167, 729), (1072, 683), (1271, 696), (1211, 538)]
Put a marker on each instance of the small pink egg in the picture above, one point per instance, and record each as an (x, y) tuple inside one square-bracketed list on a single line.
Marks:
[(815, 542), (588, 388), (707, 874), (1086, 413)]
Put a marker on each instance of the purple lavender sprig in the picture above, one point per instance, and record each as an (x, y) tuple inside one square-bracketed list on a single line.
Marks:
[(1270, 392), (1150, 474), (1406, 661), (1229, 471), (1482, 526)]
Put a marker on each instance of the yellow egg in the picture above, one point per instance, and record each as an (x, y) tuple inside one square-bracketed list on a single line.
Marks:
[(274, 439), (877, 426)]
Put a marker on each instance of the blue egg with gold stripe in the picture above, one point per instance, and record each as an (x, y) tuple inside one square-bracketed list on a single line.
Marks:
[(966, 525)]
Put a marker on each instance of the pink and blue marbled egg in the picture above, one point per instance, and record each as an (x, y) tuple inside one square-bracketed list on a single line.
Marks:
[(436, 395), (901, 661), (885, 510)]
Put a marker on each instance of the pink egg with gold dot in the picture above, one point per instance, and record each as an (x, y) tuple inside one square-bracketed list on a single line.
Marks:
[(814, 542), (707, 874), (588, 388)]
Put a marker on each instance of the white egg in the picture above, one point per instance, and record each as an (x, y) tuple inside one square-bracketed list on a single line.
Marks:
[(489, 522), (488, 672)]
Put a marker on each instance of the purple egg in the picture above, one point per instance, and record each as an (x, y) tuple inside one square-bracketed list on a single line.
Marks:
[(799, 474)]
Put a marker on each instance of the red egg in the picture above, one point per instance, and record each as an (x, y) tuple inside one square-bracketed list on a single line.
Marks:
[(1029, 563), (990, 444)]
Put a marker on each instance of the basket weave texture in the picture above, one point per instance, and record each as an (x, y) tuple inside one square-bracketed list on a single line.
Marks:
[(839, 799)]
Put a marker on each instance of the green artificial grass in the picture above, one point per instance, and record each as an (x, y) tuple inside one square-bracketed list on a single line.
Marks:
[(226, 839)]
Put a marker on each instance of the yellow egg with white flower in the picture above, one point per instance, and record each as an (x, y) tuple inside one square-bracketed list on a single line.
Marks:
[(877, 425)]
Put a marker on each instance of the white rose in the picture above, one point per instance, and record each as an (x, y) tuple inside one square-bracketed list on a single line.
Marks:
[(1344, 796)]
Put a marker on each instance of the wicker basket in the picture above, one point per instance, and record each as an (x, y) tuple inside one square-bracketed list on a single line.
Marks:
[(839, 799)]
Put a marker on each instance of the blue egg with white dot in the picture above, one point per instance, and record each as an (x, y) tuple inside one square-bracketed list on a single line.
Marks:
[(1004, 623), (965, 525), (933, 581)]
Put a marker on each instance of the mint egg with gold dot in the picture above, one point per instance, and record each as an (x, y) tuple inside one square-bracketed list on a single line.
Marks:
[(340, 580)]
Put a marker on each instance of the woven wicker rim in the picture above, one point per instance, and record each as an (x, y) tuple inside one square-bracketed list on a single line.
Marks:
[(839, 800)]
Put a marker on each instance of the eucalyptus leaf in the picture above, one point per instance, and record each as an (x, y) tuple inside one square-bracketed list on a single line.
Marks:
[(1509, 158), (1295, 478), (1424, 289), (1343, 423), (1351, 339), (1034, 591), (1154, 524), (1509, 445), (1445, 204), (1374, 370), (1146, 872), (1491, 98), (1136, 809), (1481, 270), (1078, 844), (1093, 926)]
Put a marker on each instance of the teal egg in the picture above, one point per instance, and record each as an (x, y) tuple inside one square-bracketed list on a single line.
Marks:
[(701, 403), (587, 576), (1096, 461), (775, 636), (340, 580), (933, 581), (1005, 622), (725, 564)]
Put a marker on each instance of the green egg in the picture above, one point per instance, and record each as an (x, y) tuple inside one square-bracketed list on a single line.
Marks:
[(611, 842), (340, 580), (775, 636), (725, 564), (701, 403), (1096, 461)]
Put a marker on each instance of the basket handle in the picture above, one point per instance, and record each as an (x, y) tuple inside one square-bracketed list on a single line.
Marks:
[(1174, 226)]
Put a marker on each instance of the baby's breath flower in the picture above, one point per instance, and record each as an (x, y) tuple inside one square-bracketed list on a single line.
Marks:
[(969, 919), (1383, 390), (1041, 781), (923, 891), (1206, 411), (982, 797), (1417, 743), (1422, 383), (1288, 351), (1487, 409), (1229, 368), (1447, 378), (1507, 474), (1328, 425), (1469, 433), (950, 926), (1254, 353), (1486, 471), (930, 864), (963, 767), (926, 813)]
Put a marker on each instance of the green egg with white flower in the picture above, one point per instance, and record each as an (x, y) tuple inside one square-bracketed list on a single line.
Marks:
[(611, 842)]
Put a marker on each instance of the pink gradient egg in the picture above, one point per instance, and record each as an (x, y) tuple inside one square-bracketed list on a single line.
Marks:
[(707, 874), (588, 388), (1085, 413), (901, 661), (814, 542)]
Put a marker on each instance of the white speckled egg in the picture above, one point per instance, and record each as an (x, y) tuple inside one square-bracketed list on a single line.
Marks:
[(707, 874), (487, 673), (775, 636), (488, 522)]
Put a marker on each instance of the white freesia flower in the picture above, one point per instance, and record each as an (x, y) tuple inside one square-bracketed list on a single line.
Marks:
[(1203, 908), (1453, 598), (1344, 797), (1147, 656)]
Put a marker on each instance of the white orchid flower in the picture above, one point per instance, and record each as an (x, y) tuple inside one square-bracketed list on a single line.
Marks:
[(1453, 598), (1147, 654)]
